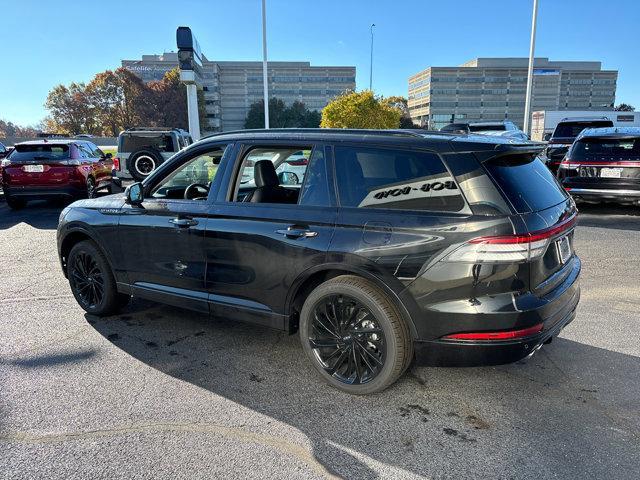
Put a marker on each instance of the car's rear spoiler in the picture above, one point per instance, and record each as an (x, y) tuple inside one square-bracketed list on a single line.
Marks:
[(487, 148)]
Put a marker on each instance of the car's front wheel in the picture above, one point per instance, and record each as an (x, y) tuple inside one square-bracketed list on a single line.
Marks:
[(354, 335), (92, 282)]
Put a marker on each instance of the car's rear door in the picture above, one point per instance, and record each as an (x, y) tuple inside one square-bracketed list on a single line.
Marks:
[(256, 251)]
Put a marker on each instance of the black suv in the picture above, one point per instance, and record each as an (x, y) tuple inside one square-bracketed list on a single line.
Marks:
[(603, 164), (563, 136), (389, 246)]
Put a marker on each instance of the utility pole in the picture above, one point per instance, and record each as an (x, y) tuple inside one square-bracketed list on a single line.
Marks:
[(532, 46), (265, 77), (371, 60)]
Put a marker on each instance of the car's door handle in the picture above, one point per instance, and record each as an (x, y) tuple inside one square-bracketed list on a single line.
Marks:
[(183, 222), (296, 232)]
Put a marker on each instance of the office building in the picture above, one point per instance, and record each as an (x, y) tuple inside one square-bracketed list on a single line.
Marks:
[(231, 87), (493, 89)]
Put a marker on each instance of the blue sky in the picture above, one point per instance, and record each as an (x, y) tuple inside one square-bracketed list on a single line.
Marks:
[(45, 43)]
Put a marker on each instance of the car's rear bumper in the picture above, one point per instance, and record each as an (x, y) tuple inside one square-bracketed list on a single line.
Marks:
[(470, 354), (555, 309), (605, 194), (40, 192)]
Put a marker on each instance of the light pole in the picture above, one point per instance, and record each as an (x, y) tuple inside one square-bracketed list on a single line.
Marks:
[(532, 46), (265, 78), (371, 60)]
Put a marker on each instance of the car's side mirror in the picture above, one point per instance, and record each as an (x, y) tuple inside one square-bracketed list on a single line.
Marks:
[(288, 178), (135, 194), (108, 155)]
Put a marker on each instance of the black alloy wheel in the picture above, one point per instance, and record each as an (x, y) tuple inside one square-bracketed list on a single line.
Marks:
[(91, 280), (347, 339), (354, 335), (88, 280)]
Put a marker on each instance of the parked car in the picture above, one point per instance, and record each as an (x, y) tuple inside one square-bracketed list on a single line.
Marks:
[(3, 151), (143, 149), (563, 136), (517, 135), (54, 168), (479, 127), (453, 250), (603, 164)]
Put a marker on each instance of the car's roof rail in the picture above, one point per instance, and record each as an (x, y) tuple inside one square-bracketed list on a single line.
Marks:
[(153, 129), (340, 131)]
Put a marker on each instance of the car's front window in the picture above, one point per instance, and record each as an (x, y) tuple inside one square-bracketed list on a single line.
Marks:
[(200, 170)]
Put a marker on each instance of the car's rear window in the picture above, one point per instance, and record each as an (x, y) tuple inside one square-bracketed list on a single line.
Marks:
[(482, 128), (526, 182), (604, 149), (573, 129), (132, 143), (395, 179), (28, 153)]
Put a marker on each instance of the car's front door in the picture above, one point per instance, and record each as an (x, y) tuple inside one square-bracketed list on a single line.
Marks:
[(163, 238), (256, 250)]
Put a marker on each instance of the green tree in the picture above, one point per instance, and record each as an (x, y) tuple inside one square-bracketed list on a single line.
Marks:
[(401, 104), (624, 107), (360, 110), (280, 116)]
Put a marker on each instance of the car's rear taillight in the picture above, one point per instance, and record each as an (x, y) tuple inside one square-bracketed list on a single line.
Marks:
[(116, 163), (509, 248), (501, 335), (70, 163)]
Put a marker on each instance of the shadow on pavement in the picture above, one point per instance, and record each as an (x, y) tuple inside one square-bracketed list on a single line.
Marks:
[(569, 411), (607, 215), (42, 215)]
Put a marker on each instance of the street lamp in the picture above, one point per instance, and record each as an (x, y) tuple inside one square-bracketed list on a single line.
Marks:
[(265, 78), (371, 60), (527, 101)]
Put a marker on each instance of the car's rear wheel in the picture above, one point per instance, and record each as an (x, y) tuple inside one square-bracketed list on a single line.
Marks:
[(92, 282), (142, 163), (354, 335), (15, 203)]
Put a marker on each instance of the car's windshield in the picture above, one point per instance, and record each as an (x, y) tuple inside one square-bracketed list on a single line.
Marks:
[(27, 153), (573, 129)]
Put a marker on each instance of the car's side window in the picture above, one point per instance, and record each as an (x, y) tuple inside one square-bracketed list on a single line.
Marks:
[(197, 172), (83, 150), (270, 174), (395, 179), (315, 190)]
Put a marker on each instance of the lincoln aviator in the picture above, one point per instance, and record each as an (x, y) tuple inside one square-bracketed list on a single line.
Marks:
[(381, 249)]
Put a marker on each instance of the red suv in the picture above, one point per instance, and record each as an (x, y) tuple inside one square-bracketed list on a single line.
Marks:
[(54, 168)]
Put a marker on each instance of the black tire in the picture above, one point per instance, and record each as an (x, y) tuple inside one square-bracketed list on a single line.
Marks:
[(92, 282), (15, 203), (142, 162), (380, 333)]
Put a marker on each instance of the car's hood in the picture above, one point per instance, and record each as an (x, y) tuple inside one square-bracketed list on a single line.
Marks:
[(109, 201)]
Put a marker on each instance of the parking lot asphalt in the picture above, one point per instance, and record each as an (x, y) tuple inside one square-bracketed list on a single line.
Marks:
[(157, 392)]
